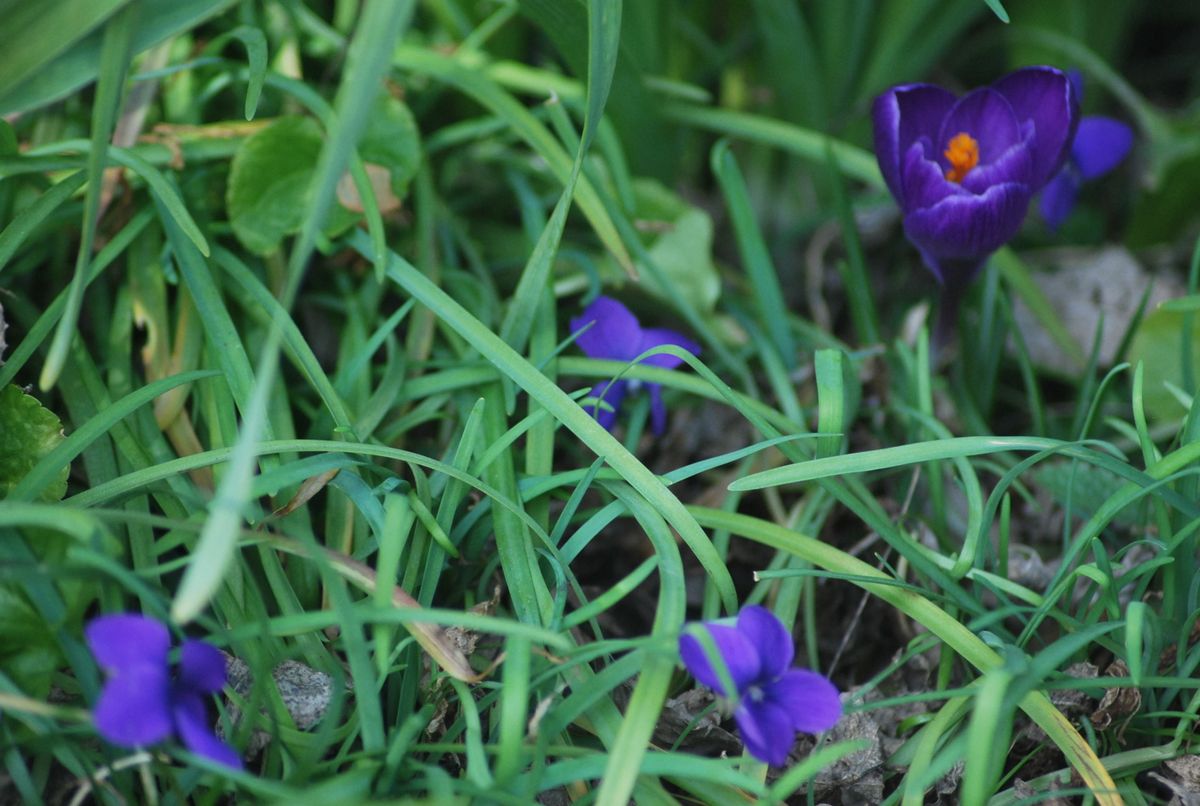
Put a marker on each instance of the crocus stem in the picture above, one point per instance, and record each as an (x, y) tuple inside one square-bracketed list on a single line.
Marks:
[(947, 319)]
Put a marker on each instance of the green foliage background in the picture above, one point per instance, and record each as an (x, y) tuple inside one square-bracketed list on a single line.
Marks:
[(287, 288)]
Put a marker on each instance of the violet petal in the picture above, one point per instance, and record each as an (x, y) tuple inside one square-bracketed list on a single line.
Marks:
[(191, 721), (1014, 165), (201, 667), (766, 730), (1045, 96), (125, 640), (615, 334), (986, 116), (655, 337), (740, 657), (1100, 145), (611, 393), (901, 116), (774, 642), (1058, 198), (969, 227), (134, 707), (925, 181), (809, 698)]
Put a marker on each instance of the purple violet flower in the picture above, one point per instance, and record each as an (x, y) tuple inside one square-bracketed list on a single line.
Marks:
[(1100, 145), (964, 169), (773, 700), (615, 334), (142, 702)]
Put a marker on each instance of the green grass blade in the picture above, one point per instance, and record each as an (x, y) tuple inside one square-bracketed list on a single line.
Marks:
[(764, 279), (810, 145), (114, 62), (374, 40), (565, 410), (957, 636), (52, 463), (24, 223)]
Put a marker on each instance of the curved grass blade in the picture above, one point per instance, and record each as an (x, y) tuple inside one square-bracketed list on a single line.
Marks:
[(374, 39), (566, 411), (40, 476), (528, 127), (957, 636), (114, 62), (632, 740), (27, 220), (853, 161)]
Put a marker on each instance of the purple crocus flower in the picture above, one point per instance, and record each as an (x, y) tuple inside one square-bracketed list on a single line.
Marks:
[(774, 701), (964, 169), (142, 702), (616, 334), (1100, 145)]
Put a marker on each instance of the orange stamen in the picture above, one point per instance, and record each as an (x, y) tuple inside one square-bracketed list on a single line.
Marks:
[(963, 155)]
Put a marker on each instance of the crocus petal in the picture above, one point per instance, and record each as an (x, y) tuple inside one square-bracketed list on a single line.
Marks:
[(766, 730), (968, 227), (658, 409), (612, 394), (1014, 165), (901, 116), (201, 667), (740, 657), (125, 640), (1100, 145), (656, 337), (763, 630), (191, 722), (809, 698), (987, 117), (134, 708), (1045, 96), (1058, 198), (925, 182), (615, 334)]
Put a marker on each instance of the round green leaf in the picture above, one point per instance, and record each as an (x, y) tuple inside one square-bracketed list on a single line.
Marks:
[(28, 431), (269, 182), (1157, 345), (392, 141)]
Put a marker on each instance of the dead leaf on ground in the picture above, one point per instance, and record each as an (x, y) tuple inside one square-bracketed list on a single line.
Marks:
[(705, 736), (464, 640), (1025, 791), (1118, 704), (856, 779)]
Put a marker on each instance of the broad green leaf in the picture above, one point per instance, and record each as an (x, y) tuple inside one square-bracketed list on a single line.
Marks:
[(28, 653), (680, 244), (1156, 345), (393, 141), (273, 169), (269, 181), (28, 431)]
